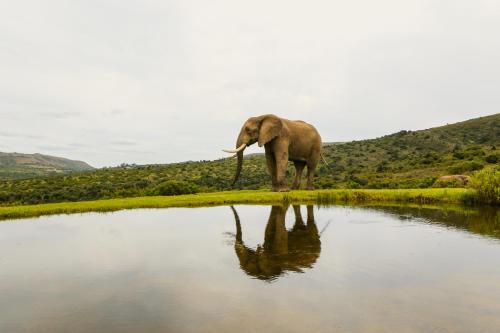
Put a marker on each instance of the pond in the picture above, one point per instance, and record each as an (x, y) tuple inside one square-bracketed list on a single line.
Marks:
[(253, 269)]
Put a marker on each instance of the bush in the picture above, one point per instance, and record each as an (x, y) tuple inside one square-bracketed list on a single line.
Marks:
[(353, 184), (487, 184), (466, 166), (425, 182), (174, 187), (492, 159)]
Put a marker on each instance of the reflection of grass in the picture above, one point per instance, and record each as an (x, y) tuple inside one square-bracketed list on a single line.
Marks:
[(417, 196), (484, 220)]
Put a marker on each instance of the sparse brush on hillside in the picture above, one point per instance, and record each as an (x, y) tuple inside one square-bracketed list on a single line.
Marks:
[(407, 159), (414, 159)]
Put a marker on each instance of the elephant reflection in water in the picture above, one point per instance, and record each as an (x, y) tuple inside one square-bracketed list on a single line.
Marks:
[(283, 250)]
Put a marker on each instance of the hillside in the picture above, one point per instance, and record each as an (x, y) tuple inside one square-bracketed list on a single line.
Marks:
[(16, 165), (407, 159), (414, 158)]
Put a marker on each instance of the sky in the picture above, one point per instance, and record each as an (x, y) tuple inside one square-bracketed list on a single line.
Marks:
[(112, 82)]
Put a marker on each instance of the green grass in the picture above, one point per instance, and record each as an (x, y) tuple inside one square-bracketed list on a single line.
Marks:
[(404, 160), (321, 197)]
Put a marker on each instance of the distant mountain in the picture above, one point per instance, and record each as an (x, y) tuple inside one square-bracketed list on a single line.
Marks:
[(16, 165), (406, 159)]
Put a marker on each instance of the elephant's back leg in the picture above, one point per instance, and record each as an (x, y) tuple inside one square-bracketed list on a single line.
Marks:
[(312, 163), (299, 167)]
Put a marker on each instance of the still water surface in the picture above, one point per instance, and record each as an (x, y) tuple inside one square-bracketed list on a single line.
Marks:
[(253, 269)]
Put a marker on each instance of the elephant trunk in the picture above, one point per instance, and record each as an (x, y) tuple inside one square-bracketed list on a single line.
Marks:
[(238, 167), (239, 143)]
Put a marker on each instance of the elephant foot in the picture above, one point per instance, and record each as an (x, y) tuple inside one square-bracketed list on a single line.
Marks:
[(310, 187), (295, 187)]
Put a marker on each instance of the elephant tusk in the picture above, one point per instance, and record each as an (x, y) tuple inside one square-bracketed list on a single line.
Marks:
[(232, 156), (240, 148)]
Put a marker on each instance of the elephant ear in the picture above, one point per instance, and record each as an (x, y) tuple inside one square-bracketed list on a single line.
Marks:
[(269, 129)]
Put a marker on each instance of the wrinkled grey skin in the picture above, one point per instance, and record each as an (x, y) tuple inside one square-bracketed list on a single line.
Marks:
[(283, 140)]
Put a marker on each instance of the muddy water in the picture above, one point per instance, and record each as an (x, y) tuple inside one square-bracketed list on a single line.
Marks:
[(253, 269)]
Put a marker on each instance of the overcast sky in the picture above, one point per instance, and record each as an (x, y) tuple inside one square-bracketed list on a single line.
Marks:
[(164, 81)]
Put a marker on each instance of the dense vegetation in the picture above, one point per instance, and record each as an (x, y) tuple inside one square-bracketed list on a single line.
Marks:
[(407, 159), (486, 182)]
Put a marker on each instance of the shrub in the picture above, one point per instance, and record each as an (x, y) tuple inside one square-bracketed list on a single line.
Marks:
[(492, 159), (487, 184), (425, 182), (353, 184), (473, 151), (174, 187), (463, 167)]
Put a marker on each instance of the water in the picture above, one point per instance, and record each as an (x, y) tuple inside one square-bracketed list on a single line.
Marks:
[(253, 269)]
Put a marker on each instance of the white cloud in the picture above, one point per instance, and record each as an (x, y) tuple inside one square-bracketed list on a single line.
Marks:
[(178, 78)]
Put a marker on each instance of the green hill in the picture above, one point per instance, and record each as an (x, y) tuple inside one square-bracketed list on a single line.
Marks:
[(414, 158), (407, 159), (16, 165)]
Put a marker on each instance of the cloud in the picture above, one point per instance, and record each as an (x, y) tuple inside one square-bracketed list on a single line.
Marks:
[(59, 114), (117, 112), (180, 77), (80, 145), (20, 135), (123, 143), (49, 148)]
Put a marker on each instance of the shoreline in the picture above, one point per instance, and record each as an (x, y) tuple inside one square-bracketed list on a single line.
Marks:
[(455, 196)]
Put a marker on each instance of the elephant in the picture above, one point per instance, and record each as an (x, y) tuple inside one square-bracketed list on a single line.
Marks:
[(282, 250), (283, 140)]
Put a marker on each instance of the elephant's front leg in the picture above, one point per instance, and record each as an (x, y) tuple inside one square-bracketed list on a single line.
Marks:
[(271, 166), (281, 165)]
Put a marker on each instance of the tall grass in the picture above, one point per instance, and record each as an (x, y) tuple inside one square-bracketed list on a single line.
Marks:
[(486, 182), (322, 197), (418, 196)]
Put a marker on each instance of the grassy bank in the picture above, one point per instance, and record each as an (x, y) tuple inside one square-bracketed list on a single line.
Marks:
[(322, 197)]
